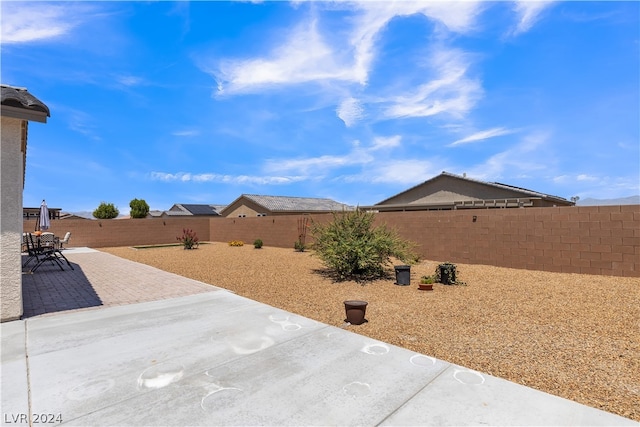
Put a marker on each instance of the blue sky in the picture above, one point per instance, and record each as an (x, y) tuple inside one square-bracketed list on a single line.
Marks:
[(200, 102)]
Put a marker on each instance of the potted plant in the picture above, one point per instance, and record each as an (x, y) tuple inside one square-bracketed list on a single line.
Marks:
[(426, 283), (257, 243)]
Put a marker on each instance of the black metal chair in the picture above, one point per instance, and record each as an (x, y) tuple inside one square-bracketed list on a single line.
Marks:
[(40, 254)]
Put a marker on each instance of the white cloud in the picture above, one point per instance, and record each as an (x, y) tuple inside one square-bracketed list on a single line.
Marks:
[(129, 80), (381, 142), (482, 135), (186, 132), (350, 111), (528, 13), (224, 179), (408, 172), (31, 22), (314, 166), (306, 55), (456, 16), (585, 177), (314, 163), (450, 92), (561, 179), (529, 154)]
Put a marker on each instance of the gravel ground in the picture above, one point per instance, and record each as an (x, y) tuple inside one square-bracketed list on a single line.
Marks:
[(572, 335)]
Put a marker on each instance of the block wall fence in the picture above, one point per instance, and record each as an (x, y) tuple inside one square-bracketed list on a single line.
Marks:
[(601, 240)]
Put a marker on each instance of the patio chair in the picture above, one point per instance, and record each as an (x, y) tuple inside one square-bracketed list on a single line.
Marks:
[(65, 240), (58, 254), (40, 254), (47, 239)]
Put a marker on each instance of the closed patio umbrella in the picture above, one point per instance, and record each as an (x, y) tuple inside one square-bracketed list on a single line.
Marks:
[(43, 222)]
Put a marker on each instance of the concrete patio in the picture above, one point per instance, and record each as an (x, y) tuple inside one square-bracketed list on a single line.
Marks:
[(115, 342)]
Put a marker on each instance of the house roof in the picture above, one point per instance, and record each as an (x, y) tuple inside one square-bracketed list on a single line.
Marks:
[(18, 103), (200, 209), (525, 192), (193, 209), (294, 204)]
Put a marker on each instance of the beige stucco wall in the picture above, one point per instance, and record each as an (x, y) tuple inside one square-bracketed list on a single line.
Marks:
[(11, 183), (244, 207), (447, 189)]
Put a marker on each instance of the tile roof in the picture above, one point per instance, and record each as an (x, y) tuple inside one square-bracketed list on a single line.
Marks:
[(297, 204), (20, 97)]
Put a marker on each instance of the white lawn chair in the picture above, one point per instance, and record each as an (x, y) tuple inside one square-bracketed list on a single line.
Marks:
[(64, 241)]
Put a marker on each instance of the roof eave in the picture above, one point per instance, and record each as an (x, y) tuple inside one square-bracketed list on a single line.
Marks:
[(24, 114)]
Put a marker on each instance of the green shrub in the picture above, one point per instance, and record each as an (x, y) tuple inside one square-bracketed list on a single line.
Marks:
[(427, 280), (257, 243), (188, 239), (139, 208), (106, 211), (299, 246), (351, 247)]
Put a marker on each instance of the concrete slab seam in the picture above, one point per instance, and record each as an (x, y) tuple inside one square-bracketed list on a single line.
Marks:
[(26, 361), (415, 394)]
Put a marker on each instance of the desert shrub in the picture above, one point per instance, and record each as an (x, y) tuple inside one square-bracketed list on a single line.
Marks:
[(106, 211), (299, 246), (236, 243), (139, 208), (257, 243), (188, 239), (353, 248)]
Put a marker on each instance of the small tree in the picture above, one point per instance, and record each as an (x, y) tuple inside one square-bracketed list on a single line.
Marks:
[(106, 211), (353, 248), (139, 208)]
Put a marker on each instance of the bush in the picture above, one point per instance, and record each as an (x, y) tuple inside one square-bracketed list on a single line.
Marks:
[(257, 243), (353, 248), (236, 243), (298, 246), (188, 239), (106, 211), (139, 208)]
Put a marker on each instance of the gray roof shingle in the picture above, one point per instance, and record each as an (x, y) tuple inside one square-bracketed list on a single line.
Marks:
[(20, 97), (297, 204)]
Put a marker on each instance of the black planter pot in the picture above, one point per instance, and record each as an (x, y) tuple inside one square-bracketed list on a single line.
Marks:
[(448, 274), (403, 275)]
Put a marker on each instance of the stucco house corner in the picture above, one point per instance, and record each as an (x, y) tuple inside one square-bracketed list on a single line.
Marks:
[(17, 108)]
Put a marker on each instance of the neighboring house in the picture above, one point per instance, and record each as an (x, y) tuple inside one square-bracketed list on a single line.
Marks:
[(181, 209), (155, 214), (254, 205), (448, 191), (76, 215), (34, 213), (17, 108)]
